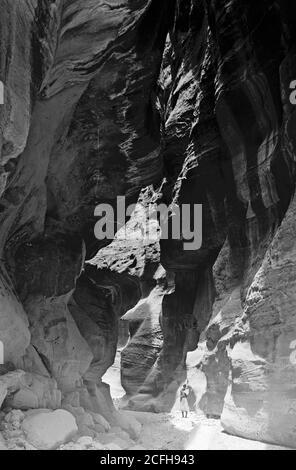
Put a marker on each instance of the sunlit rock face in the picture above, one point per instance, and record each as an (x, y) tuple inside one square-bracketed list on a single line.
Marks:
[(230, 79), (227, 142), (179, 101)]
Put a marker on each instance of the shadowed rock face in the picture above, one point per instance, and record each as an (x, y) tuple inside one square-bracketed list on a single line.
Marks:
[(239, 163), (189, 102), (79, 125)]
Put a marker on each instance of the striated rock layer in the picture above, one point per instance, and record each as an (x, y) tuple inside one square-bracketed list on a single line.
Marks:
[(79, 126), (239, 162), (183, 102)]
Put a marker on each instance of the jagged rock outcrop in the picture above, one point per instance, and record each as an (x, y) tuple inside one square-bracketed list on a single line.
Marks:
[(188, 102)]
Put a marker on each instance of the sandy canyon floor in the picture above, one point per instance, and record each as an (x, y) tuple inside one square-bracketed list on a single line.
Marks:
[(169, 431), (172, 432)]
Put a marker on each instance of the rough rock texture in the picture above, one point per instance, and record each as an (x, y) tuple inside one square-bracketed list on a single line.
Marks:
[(240, 156), (79, 126), (227, 142), (10, 383), (14, 325), (142, 351), (188, 102), (47, 430), (23, 390), (260, 401)]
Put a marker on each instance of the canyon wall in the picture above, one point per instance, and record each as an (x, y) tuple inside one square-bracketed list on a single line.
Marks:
[(183, 102)]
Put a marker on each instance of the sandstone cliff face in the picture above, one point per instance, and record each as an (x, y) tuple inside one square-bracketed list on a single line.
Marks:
[(187, 100), (240, 154), (78, 126)]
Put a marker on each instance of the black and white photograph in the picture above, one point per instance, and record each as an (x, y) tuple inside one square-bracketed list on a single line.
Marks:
[(147, 228)]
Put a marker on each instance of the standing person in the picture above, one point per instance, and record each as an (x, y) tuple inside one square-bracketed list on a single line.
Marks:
[(183, 401)]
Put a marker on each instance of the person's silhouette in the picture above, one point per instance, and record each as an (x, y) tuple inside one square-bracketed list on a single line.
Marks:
[(184, 401)]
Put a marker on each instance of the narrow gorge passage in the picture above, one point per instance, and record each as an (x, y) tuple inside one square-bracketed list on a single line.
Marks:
[(147, 224), (169, 431)]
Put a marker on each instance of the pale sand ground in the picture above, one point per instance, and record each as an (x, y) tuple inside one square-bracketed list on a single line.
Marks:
[(169, 431), (112, 377), (172, 432)]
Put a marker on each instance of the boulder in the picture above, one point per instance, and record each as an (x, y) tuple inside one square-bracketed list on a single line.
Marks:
[(89, 424), (98, 428), (36, 391), (14, 418), (129, 424), (85, 441), (98, 419), (87, 431), (49, 430)]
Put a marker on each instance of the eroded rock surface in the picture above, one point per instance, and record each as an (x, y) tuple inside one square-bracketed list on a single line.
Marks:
[(79, 126), (48, 430)]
